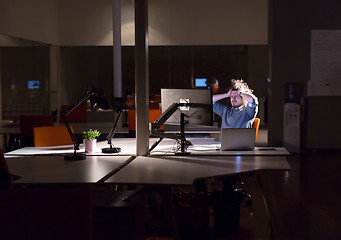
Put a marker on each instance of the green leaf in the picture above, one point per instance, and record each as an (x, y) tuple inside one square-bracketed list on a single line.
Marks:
[(91, 134)]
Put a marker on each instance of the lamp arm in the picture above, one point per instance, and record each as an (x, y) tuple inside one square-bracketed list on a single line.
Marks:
[(78, 102), (113, 130), (65, 112), (72, 135)]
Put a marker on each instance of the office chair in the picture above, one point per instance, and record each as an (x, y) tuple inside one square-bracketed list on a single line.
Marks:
[(153, 115), (28, 123), (245, 195), (235, 195), (255, 125), (51, 136), (79, 114)]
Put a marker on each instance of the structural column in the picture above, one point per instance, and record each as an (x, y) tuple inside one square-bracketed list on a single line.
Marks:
[(55, 80), (117, 56), (141, 77)]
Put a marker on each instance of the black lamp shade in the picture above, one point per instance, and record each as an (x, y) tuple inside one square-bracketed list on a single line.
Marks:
[(99, 99)]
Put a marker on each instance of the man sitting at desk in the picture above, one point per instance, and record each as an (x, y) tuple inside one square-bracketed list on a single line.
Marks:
[(241, 114), (243, 109)]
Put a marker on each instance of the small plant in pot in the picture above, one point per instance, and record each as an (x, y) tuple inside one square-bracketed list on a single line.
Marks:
[(89, 140)]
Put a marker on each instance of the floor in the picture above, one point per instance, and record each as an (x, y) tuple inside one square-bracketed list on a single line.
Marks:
[(305, 202)]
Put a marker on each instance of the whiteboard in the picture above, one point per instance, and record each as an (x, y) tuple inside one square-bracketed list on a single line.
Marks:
[(325, 63)]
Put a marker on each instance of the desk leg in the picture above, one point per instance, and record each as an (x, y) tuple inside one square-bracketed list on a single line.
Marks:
[(168, 198), (267, 202), (9, 142), (161, 207)]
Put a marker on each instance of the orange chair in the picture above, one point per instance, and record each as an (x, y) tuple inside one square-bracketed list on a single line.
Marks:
[(255, 125), (153, 115), (78, 114), (51, 136)]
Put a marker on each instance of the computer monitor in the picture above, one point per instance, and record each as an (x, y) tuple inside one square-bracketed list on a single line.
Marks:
[(200, 82), (199, 111), (33, 84)]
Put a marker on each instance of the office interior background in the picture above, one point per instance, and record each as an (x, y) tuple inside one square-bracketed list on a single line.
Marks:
[(67, 46)]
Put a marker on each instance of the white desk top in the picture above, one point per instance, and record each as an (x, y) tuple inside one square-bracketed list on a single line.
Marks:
[(207, 146), (47, 164), (183, 170), (127, 145), (201, 146), (54, 169)]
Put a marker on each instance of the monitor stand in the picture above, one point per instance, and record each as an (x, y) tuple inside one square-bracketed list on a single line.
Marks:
[(183, 140)]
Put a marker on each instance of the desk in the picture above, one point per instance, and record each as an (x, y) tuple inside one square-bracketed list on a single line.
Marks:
[(208, 146), (46, 164), (11, 134), (127, 145), (201, 146), (55, 170), (184, 170), (161, 168)]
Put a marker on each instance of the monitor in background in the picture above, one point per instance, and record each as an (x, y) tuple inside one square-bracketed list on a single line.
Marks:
[(199, 112), (200, 82), (33, 84)]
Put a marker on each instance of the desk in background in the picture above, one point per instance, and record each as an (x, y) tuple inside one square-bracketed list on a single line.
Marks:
[(11, 133)]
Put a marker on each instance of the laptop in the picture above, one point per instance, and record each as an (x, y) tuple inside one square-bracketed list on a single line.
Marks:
[(237, 139)]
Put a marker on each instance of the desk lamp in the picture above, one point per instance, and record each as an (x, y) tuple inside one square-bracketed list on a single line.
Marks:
[(96, 98), (117, 106)]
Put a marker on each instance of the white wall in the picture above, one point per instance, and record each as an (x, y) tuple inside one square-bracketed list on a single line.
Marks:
[(86, 22), (208, 22), (175, 22), (30, 19)]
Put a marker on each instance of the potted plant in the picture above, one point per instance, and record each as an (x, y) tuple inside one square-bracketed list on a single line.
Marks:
[(89, 140)]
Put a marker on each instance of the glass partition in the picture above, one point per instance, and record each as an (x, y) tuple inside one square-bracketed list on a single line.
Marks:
[(24, 77)]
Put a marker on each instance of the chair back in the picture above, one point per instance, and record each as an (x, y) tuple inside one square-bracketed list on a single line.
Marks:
[(29, 122), (52, 136), (153, 115), (79, 114), (255, 125)]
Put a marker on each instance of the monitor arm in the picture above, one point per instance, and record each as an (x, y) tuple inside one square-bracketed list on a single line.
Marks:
[(162, 119)]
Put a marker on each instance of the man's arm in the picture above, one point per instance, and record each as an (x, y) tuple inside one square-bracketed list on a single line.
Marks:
[(249, 97), (218, 97)]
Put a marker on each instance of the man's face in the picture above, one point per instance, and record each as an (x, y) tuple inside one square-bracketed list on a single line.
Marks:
[(236, 100)]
